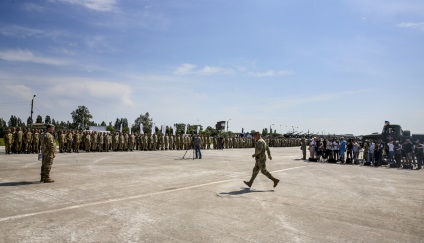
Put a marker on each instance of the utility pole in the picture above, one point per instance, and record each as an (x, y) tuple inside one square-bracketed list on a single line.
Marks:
[(32, 109), (227, 123)]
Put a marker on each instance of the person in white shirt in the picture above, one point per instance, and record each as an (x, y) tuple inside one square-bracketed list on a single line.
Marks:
[(312, 147), (335, 149), (355, 150), (391, 150)]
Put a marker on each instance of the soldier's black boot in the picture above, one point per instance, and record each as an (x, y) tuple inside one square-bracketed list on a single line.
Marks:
[(248, 183), (275, 181)]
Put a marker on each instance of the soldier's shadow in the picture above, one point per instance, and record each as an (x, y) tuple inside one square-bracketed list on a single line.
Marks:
[(244, 191), (19, 183)]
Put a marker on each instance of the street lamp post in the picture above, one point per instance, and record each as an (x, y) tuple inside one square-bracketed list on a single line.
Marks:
[(32, 109), (227, 123)]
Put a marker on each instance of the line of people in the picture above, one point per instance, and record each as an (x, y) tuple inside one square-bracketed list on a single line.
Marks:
[(374, 154)]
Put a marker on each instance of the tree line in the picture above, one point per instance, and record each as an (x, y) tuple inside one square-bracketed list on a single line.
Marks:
[(82, 120)]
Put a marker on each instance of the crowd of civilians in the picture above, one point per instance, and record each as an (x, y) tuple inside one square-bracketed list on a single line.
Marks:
[(374, 153)]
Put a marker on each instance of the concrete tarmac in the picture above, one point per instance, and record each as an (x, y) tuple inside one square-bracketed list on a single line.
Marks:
[(159, 197)]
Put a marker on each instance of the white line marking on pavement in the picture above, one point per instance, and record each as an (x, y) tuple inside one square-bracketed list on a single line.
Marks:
[(126, 198)]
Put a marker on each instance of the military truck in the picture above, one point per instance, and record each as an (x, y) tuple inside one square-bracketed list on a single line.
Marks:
[(393, 132)]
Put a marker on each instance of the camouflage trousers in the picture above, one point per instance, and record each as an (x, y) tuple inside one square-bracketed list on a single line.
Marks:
[(46, 166), (260, 165), (8, 148)]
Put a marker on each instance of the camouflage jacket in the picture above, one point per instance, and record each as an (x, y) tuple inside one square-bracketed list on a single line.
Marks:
[(260, 149), (49, 147)]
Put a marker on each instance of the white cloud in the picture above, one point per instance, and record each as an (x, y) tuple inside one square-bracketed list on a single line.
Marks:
[(210, 70), (411, 25), (28, 56), (19, 90), (32, 7), (185, 68), (96, 5), (271, 73), (80, 88), (24, 32)]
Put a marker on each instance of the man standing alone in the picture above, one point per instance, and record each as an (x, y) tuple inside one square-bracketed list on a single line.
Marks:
[(49, 151), (260, 158), (197, 144)]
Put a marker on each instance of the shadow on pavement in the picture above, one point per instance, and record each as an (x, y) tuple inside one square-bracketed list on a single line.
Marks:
[(243, 191), (19, 183)]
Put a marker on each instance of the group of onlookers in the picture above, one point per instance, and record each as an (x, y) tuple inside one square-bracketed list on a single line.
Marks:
[(406, 153), (373, 153)]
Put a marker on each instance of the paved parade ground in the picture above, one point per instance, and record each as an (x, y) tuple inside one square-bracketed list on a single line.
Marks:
[(158, 197)]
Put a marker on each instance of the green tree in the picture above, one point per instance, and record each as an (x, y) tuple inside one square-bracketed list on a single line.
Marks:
[(103, 124), (13, 121), (39, 119), (29, 121), (145, 120), (81, 117), (48, 120)]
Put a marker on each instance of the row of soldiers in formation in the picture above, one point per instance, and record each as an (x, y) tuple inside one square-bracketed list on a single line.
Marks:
[(23, 140), (28, 141), (74, 141)]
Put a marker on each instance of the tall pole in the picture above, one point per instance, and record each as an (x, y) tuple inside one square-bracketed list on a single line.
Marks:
[(32, 109), (227, 123)]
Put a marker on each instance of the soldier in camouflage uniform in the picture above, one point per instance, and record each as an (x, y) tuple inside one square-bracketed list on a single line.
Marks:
[(260, 157), (100, 141), (49, 153), (154, 142), (166, 142), (161, 141), (125, 145), (8, 141), (77, 141), (27, 139), (18, 140), (131, 142), (149, 145), (36, 142), (171, 142), (69, 141), (61, 141), (87, 142)]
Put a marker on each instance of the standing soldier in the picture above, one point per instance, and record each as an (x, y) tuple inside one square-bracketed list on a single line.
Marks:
[(36, 142), (100, 142), (171, 142), (69, 141), (106, 142), (120, 141), (303, 148), (177, 142), (125, 145), (76, 142), (166, 142), (94, 141), (154, 142), (8, 141), (161, 141), (87, 142), (149, 142), (18, 140), (49, 151), (27, 140), (131, 142), (260, 157), (208, 142), (61, 141)]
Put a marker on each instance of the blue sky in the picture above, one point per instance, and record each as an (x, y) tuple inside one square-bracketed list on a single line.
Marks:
[(324, 66)]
